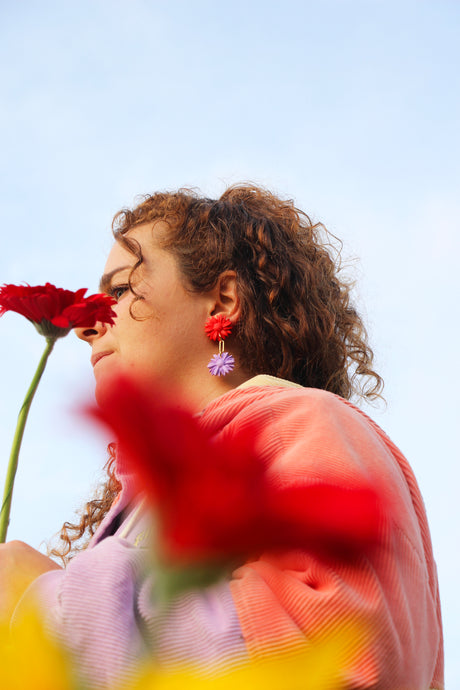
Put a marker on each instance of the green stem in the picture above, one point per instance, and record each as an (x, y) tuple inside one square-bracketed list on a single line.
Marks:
[(17, 440)]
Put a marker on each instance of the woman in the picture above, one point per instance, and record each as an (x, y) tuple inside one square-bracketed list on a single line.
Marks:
[(259, 265)]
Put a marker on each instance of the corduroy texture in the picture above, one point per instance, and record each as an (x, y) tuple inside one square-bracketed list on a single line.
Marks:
[(310, 435), (103, 605)]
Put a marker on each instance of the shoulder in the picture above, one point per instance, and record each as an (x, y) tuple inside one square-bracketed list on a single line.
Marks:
[(285, 417), (306, 434), (264, 400)]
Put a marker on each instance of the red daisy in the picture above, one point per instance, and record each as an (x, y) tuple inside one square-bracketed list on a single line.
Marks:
[(218, 327), (215, 499)]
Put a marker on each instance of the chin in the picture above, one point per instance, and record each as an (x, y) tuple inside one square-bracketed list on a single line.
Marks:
[(100, 393), (104, 383), (108, 376)]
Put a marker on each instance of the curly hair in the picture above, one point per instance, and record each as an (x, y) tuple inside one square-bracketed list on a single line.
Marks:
[(75, 537), (297, 320), (297, 317)]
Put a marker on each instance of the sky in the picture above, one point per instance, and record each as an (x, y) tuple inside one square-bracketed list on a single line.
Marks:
[(350, 108)]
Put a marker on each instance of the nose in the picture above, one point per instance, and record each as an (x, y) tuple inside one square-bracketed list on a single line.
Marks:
[(90, 334)]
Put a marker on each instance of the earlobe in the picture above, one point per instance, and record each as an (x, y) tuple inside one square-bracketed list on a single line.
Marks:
[(227, 301)]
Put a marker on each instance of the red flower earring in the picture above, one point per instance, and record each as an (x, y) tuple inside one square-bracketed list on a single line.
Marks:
[(217, 328)]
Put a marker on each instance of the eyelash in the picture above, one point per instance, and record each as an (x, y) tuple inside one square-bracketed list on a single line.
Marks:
[(115, 288)]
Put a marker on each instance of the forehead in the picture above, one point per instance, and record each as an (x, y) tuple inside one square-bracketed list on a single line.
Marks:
[(149, 237), (120, 255), (120, 258)]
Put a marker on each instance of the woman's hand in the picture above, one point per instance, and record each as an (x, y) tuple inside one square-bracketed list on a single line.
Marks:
[(20, 564)]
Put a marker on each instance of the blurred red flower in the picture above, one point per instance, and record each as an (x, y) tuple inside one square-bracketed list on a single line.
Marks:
[(54, 311), (214, 500)]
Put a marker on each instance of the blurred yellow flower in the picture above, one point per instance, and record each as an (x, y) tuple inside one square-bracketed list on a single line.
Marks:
[(29, 660), (324, 665)]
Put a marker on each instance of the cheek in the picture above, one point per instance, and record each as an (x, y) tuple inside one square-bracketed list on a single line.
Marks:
[(139, 310), (129, 320)]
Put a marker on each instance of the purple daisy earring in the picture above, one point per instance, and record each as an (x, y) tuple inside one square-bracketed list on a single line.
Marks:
[(217, 328)]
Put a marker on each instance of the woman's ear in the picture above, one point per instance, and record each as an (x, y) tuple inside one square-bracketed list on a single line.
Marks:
[(226, 299)]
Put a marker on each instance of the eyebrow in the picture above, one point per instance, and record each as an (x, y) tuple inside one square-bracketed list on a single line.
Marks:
[(106, 279)]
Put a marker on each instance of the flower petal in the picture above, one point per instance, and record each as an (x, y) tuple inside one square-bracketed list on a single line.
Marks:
[(64, 309)]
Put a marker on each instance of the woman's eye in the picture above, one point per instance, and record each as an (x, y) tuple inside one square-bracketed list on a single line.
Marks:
[(117, 291)]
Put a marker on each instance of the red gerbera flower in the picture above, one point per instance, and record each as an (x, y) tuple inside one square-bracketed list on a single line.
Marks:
[(218, 327), (215, 500), (55, 311)]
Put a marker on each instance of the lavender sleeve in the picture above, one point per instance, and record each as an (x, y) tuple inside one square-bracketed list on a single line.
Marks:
[(102, 609)]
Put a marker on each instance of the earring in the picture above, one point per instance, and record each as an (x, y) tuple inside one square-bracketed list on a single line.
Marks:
[(217, 328)]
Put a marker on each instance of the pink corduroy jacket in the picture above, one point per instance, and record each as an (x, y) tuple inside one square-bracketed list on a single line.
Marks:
[(102, 607)]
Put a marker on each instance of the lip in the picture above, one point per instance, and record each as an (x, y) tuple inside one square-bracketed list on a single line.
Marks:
[(96, 356)]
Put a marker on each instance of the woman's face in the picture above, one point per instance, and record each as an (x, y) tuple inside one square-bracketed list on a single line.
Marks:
[(166, 339)]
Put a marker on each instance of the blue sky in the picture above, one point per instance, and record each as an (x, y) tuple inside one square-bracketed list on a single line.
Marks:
[(350, 108)]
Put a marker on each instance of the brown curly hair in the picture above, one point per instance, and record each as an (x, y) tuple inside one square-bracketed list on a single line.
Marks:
[(75, 537), (297, 320)]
